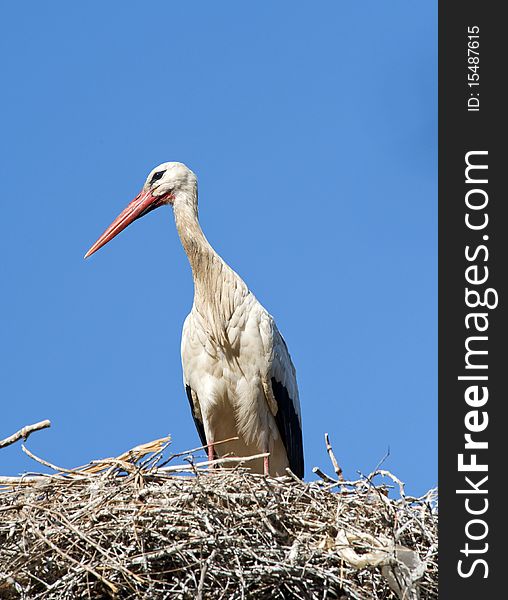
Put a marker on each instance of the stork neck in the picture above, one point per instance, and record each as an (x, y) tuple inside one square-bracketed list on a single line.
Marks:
[(202, 257), (216, 285)]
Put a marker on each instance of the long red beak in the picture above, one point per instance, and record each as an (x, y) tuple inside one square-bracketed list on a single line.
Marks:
[(142, 204)]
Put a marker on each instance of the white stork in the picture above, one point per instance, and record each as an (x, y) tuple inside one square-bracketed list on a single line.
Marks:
[(238, 375)]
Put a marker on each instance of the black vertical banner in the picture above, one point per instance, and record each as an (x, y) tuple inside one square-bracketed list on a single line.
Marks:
[(473, 269)]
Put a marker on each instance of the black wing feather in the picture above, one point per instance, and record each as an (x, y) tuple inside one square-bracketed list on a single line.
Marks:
[(197, 422), (289, 427)]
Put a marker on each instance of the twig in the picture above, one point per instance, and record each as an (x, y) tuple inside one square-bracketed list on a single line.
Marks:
[(96, 466), (24, 432), (208, 562), (293, 476), (326, 478), (213, 463), (193, 450), (50, 465), (385, 473), (30, 479), (336, 468), (387, 454)]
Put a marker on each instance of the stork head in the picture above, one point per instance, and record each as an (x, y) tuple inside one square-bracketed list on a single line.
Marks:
[(164, 185)]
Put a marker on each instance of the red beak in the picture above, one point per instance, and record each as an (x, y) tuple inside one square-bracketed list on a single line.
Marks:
[(142, 204)]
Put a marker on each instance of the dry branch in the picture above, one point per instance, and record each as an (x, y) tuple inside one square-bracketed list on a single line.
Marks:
[(336, 468), (24, 432)]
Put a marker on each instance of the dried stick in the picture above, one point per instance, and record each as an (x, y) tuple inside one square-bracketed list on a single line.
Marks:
[(24, 432), (385, 473), (29, 479), (336, 468), (326, 478), (210, 463), (197, 450), (50, 465), (208, 562)]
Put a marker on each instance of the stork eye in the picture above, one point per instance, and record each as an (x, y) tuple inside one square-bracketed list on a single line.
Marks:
[(157, 176)]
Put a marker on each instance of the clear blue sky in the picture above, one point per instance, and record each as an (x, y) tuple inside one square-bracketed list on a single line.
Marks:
[(312, 129)]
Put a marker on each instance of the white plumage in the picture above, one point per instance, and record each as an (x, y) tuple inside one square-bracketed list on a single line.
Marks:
[(238, 374)]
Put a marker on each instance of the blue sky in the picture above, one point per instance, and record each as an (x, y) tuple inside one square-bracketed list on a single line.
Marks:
[(313, 131)]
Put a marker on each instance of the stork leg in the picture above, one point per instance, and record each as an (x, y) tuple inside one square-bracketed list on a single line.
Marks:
[(211, 453), (266, 465)]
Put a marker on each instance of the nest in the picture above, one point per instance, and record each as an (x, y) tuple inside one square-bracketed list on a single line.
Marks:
[(141, 526)]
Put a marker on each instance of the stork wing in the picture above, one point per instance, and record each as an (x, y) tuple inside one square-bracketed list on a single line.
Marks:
[(191, 394), (282, 394), (197, 421)]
